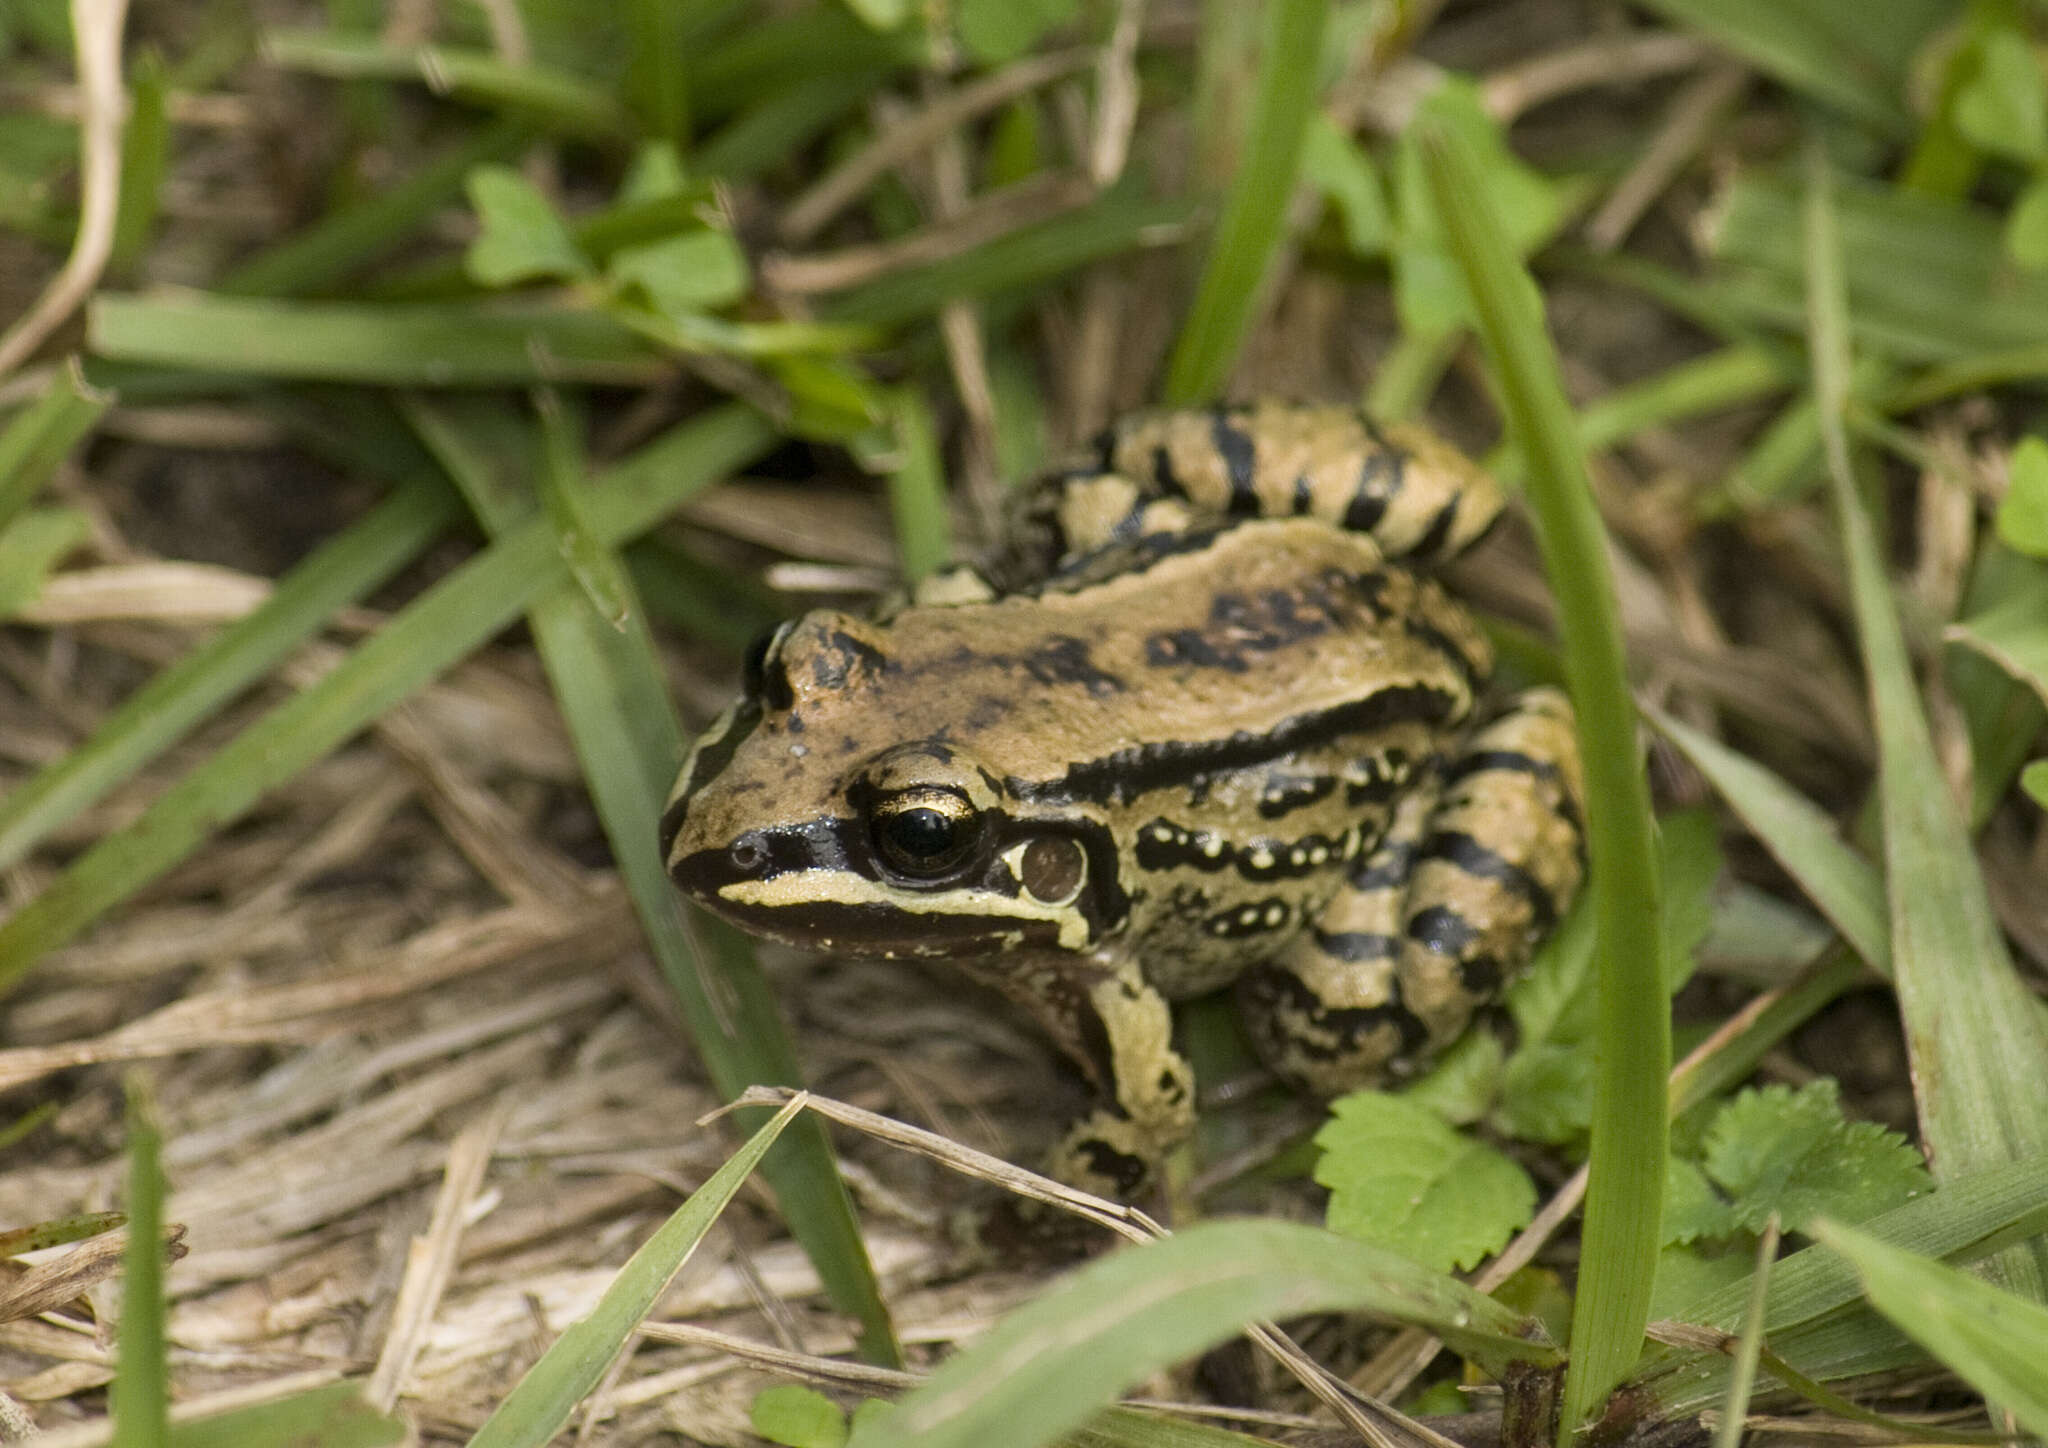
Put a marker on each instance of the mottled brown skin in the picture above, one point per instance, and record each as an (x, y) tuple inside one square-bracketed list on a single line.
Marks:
[(1193, 725)]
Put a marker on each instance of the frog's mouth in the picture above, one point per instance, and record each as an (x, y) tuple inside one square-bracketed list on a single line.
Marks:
[(883, 930)]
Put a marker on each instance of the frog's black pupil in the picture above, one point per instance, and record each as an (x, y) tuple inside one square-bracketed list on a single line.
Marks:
[(921, 834)]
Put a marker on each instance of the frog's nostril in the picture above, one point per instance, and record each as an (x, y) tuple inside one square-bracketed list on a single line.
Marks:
[(749, 853)]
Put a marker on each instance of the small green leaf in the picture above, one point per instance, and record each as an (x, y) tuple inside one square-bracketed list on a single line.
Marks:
[(520, 238), (683, 275), (1429, 292), (881, 14), (1774, 1149), (1686, 1275), (2023, 515), (1464, 1082), (655, 172), (2004, 108), (1400, 1178), (1692, 1208), (798, 1416), (1546, 1094), (1993, 1340), (2026, 226), (2034, 780), (996, 31), (831, 399), (1338, 167)]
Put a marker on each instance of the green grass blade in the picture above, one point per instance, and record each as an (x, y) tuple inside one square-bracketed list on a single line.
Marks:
[(1977, 1038), (554, 98), (608, 682), (145, 153), (1805, 1319), (42, 434), (1748, 1345), (1048, 1365), (917, 490), (141, 1387), (786, 121), (353, 236), (541, 1404), (334, 1416), (435, 632), (1624, 1198), (656, 84), (31, 547), (1841, 883), (1254, 219), (158, 714), (1994, 1341), (1849, 54), (1928, 280), (425, 345), (1106, 227)]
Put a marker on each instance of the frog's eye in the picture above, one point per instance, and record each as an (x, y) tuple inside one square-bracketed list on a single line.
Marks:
[(926, 832)]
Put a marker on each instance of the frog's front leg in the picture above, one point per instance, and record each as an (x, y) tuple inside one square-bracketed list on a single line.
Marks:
[(1120, 1031), (1472, 873)]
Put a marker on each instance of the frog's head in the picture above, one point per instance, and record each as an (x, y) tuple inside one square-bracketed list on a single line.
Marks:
[(782, 823)]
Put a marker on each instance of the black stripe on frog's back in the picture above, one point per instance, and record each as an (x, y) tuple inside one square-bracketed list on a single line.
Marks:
[(1122, 775)]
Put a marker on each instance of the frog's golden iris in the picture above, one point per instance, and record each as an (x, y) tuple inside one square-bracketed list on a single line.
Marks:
[(1197, 722)]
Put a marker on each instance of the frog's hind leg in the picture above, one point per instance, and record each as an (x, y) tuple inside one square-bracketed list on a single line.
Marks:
[(1472, 874), (1173, 471), (1414, 494)]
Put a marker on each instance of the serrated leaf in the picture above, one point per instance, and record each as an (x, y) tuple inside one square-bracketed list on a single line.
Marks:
[(1993, 1340), (797, 1416), (683, 275), (1402, 1179), (2004, 107), (1774, 1149), (520, 238), (2023, 514), (1338, 167), (1692, 1208), (2026, 226), (998, 31)]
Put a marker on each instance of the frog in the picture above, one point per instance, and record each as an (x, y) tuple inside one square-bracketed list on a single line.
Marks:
[(1201, 719)]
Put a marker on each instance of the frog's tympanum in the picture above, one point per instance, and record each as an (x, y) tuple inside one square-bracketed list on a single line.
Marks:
[(1197, 722)]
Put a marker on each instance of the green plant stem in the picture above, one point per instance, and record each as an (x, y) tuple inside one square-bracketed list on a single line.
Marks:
[(1624, 1198)]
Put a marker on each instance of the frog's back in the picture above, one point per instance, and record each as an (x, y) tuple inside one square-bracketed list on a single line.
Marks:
[(1235, 709)]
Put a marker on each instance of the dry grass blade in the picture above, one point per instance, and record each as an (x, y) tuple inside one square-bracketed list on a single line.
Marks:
[(96, 27)]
